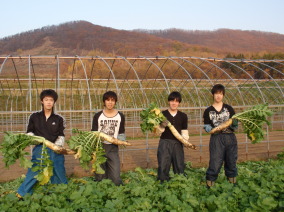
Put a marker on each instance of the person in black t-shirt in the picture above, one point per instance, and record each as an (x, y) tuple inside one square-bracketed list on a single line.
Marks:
[(170, 149), (223, 144), (49, 125)]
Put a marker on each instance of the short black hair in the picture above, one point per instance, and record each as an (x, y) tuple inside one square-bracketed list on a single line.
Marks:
[(174, 95), (49, 92), (217, 89), (110, 95)]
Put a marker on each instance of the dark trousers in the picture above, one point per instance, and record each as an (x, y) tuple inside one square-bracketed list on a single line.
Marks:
[(111, 166), (170, 152), (59, 174), (223, 148)]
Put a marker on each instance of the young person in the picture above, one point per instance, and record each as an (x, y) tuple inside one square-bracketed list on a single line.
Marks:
[(51, 126), (170, 149), (111, 122), (223, 144)]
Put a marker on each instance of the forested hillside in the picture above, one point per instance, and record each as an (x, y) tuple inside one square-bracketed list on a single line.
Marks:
[(226, 40), (81, 38)]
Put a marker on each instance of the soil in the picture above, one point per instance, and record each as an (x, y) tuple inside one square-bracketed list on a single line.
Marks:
[(144, 154)]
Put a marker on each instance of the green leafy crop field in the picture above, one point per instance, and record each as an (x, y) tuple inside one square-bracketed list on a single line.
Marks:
[(260, 187)]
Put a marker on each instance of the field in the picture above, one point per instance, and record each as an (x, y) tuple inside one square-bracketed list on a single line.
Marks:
[(260, 187)]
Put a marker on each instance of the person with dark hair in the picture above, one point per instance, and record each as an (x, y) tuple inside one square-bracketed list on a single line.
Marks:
[(170, 149), (47, 124), (111, 122), (223, 145), (174, 96), (50, 93)]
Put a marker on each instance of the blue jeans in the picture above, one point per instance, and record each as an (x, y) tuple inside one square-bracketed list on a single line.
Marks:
[(59, 174)]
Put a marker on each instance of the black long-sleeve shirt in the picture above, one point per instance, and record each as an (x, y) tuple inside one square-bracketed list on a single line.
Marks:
[(179, 121), (50, 129)]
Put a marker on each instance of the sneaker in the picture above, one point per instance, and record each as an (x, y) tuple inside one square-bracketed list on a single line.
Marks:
[(232, 180), (19, 196), (210, 183)]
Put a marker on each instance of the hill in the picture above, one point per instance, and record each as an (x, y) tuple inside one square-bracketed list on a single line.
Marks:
[(81, 38), (226, 40)]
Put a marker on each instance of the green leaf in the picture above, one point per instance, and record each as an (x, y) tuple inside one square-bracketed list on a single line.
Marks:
[(86, 144), (253, 120), (151, 117), (24, 162), (13, 148)]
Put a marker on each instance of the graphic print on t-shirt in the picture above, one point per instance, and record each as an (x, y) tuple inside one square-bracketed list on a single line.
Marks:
[(108, 126), (111, 126), (219, 118)]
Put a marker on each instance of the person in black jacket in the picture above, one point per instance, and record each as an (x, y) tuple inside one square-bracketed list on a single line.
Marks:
[(170, 149), (223, 145), (51, 126), (111, 122)]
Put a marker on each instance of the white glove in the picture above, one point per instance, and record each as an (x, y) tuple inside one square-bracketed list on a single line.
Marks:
[(30, 133), (60, 141), (184, 134)]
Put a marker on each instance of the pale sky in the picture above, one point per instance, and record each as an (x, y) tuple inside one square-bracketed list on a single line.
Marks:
[(261, 15)]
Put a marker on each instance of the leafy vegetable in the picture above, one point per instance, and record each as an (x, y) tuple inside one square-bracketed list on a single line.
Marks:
[(13, 148), (260, 188), (89, 149), (86, 146), (44, 167), (154, 120), (252, 121), (151, 117)]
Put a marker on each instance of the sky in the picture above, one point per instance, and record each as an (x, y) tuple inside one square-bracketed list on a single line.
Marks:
[(261, 15)]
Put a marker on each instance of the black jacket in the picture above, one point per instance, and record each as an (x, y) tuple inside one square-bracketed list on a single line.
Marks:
[(50, 129)]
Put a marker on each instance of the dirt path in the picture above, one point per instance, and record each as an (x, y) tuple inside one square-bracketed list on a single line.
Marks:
[(145, 156)]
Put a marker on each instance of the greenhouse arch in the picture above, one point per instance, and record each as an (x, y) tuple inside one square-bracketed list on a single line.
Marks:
[(81, 81)]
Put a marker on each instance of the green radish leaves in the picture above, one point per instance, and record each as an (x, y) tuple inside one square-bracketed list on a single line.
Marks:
[(151, 117), (89, 149), (44, 167), (13, 148), (252, 121)]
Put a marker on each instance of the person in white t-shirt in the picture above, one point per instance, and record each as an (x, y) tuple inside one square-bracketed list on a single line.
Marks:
[(111, 122)]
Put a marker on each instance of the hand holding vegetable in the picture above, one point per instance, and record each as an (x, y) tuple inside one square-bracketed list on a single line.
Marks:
[(13, 148), (154, 121), (88, 147), (252, 121)]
